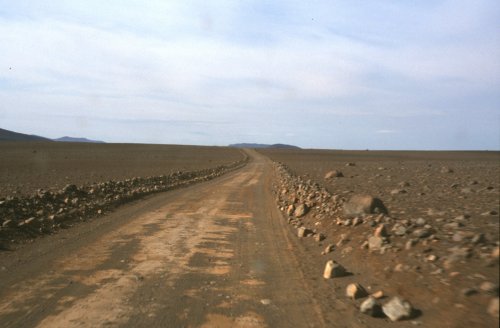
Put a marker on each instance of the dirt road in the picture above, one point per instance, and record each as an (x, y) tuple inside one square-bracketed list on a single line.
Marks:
[(211, 255)]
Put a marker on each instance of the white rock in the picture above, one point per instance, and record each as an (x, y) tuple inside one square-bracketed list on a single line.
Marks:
[(397, 309)]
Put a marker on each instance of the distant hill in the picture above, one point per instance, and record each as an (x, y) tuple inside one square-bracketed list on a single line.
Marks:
[(256, 145), (72, 139), (6, 135)]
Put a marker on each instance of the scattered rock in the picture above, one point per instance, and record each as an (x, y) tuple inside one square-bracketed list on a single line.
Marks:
[(420, 222), (495, 254), (371, 307), (265, 301), (381, 231), (399, 230), (469, 291), (489, 213), (355, 291), (357, 221), (422, 233), (478, 238), (446, 169), (457, 237), (431, 258), (398, 191), (493, 308), (397, 309), (301, 210), (489, 287), (350, 164), (410, 243), (333, 270), (328, 249), (378, 294), (375, 243), (302, 232), (343, 240), (319, 237)]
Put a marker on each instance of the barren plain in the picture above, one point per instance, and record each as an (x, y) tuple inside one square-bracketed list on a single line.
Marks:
[(247, 246), (26, 167)]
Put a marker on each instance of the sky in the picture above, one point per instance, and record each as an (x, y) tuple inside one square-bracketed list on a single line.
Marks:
[(317, 74)]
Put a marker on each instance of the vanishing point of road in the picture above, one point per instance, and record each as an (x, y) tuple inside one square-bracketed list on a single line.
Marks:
[(215, 254)]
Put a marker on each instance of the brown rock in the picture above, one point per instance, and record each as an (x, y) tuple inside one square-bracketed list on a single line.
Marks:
[(319, 237), (302, 232), (493, 308), (355, 291), (333, 270), (380, 231), (301, 210), (375, 243)]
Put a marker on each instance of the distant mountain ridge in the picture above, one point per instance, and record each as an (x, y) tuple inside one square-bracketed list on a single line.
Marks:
[(256, 145), (6, 135), (73, 139)]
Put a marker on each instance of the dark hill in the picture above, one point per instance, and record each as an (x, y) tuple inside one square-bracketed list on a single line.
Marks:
[(72, 139), (6, 135), (256, 145)]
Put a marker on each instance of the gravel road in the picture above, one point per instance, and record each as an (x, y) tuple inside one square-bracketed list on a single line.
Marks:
[(214, 254)]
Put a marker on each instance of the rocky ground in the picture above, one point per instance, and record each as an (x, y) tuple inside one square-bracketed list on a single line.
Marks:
[(25, 216), (405, 236)]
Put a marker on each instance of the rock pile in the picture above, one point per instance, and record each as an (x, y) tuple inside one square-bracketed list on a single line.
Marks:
[(48, 211), (436, 247)]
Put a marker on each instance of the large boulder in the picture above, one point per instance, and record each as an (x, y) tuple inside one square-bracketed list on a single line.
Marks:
[(363, 204), (333, 174)]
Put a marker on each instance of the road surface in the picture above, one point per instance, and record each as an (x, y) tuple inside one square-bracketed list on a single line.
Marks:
[(216, 254)]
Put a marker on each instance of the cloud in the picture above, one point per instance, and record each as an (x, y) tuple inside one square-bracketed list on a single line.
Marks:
[(283, 66)]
